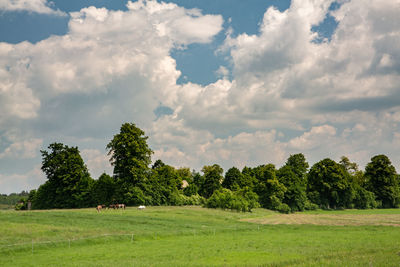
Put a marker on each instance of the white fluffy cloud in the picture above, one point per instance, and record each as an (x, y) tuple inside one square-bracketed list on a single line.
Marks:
[(327, 99), (288, 92), (38, 6)]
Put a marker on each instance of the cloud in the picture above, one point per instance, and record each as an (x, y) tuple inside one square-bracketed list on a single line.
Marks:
[(37, 6), (97, 162), (111, 67), (22, 149), (15, 183), (285, 94)]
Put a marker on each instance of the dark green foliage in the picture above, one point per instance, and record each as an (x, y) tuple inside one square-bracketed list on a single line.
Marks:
[(364, 199), (198, 180), (103, 190), (233, 179), (299, 166), (130, 156), (293, 175), (69, 182), (190, 190), (242, 200), (212, 180), (165, 183), (295, 196), (270, 191), (329, 185), (382, 180)]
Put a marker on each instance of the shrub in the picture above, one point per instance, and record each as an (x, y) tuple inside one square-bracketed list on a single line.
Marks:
[(242, 200), (308, 205), (364, 199)]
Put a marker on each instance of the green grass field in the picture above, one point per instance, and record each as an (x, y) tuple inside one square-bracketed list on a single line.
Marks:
[(194, 236)]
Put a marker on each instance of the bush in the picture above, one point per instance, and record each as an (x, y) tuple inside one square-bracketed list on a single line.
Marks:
[(191, 190), (308, 205), (243, 200), (276, 204), (21, 205), (364, 199), (193, 200)]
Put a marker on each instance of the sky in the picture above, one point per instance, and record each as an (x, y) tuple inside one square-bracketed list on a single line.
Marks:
[(228, 82)]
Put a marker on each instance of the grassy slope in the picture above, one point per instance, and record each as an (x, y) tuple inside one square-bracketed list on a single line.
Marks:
[(189, 236)]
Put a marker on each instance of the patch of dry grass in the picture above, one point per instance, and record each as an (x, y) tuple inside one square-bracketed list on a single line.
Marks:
[(330, 219)]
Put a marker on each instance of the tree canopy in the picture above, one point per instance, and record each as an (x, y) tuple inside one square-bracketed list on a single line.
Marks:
[(292, 187), (69, 182)]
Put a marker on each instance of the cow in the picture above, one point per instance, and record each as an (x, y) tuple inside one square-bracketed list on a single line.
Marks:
[(99, 207), (141, 207)]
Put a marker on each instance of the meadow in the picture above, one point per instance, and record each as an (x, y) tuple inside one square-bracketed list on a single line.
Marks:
[(195, 236)]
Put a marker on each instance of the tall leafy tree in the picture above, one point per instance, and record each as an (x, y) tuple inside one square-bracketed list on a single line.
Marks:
[(382, 180), (293, 175), (212, 179), (299, 166), (69, 182), (295, 196), (329, 185), (131, 157)]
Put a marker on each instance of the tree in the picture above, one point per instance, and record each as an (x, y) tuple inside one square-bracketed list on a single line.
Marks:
[(212, 179), (131, 157), (329, 185), (233, 179), (103, 190), (293, 175), (269, 189), (69, 182), (382, 180), (165, 182), (295, 196), (299, 166)]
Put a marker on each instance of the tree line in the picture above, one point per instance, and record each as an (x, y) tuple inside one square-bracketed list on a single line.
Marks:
[(293, 187)]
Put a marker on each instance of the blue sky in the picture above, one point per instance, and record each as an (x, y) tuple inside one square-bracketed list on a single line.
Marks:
[(229, 82)]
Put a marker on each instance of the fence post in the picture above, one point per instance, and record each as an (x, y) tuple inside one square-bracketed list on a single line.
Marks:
[(132, 238)]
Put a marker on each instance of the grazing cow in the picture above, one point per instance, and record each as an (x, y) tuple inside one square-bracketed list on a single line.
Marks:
[(122, 206), (141, 207), (112, 206), (99, 207)]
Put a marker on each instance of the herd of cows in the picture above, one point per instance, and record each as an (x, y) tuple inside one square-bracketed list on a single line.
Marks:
[(115, 206)]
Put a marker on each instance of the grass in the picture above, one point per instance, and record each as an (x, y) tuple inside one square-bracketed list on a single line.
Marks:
[(194, 236)]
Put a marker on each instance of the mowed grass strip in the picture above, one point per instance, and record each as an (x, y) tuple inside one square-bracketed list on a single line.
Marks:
[(331, 219), (193, 236)]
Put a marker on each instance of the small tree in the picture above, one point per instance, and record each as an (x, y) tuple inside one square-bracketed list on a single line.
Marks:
[(382, 180), (69, 182)]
